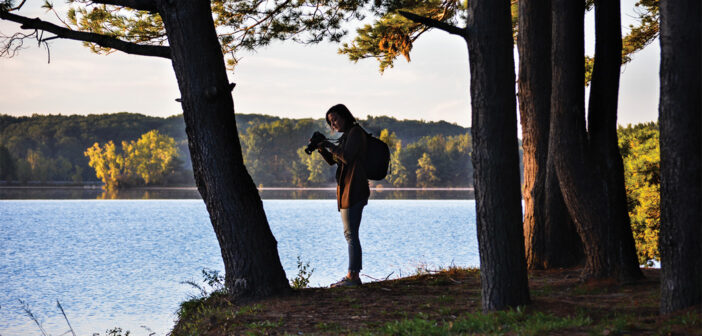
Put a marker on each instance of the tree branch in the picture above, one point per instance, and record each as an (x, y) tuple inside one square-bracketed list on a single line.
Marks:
[(20, 5), (449, 28), (102, 40), (145, 5)]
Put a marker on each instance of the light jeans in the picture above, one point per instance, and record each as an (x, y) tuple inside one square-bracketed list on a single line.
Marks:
[(352, 220)]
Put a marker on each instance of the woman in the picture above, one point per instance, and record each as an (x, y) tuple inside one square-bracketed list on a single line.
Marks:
[(352, 185)]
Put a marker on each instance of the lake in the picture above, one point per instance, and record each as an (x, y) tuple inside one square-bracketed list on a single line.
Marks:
[(122, 262)]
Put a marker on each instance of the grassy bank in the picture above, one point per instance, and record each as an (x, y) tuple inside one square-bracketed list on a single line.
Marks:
[(445, 303)]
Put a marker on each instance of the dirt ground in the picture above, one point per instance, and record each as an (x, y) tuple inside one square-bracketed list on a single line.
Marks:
[(443, 297)]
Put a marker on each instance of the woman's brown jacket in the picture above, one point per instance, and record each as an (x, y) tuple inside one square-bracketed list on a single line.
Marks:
[(351, 179)]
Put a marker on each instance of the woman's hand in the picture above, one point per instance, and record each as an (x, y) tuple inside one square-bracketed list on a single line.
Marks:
[(324, 144)]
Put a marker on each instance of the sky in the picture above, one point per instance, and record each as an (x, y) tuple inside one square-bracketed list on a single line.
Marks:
[(284, 79)]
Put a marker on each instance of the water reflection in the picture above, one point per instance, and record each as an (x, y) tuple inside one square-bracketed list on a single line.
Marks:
[(192, 193)]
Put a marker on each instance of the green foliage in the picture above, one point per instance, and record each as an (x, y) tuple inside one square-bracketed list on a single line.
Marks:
[(51, 148), (397, 174), (269, 148), (647, 14), (274, 158), (7, 165), (151, 157), (391, 35), (450, 157), (589, 66), (302, 280), (241, 25), (310, 169), (147, 160), (639, 146), (212, 286), (426, 172), (389, 138), (43, 146), (647, 31)]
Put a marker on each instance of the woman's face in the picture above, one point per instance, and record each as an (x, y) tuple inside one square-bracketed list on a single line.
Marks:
[(337, 122)]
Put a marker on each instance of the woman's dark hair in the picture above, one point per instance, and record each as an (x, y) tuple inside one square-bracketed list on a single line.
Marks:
[(342, 111)]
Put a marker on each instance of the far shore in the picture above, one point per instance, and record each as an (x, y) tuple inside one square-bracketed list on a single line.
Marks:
[(99, 186), (95, 191)]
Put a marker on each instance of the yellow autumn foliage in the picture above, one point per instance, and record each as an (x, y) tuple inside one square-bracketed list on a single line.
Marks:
[(147, 160), (640, 150)]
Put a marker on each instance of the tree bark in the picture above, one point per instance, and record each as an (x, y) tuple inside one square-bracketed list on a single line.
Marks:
[(550, 236), (582, 189), (496, 156), (602, 132), (249, 250), (681, 154), (589, 185)]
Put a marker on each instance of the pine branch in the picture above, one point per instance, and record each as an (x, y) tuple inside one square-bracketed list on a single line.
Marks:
[(102, 40), (145, 5), (449, 28)]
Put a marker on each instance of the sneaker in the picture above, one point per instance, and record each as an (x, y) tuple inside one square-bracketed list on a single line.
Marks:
[(346, 282)]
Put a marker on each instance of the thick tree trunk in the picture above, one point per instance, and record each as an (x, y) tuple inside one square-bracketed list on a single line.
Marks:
[(583, 190), (681, 154), (249, 250), (587, 169), (602, 131), (550, 236), (496, 156), (564, 247)]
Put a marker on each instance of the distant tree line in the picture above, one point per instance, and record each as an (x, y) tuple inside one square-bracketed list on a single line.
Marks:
[(50, 148), (274, 158)]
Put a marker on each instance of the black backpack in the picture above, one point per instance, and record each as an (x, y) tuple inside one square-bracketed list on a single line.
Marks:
[(377, 158)]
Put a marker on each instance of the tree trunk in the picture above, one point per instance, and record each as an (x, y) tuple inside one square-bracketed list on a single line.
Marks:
[(496, 156), (582, 189), (681, 155), (587, 167), (602, 131), (249, 250), (550, 236)]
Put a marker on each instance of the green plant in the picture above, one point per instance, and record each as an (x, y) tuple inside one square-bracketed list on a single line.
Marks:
[(212, 287), (212, 281), (302, 280)]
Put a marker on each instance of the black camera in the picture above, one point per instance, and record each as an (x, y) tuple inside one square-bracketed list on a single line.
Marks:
[(314, 142)]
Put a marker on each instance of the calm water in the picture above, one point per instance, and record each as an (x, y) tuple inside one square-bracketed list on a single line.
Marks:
[(121, 262), (95, 192)]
